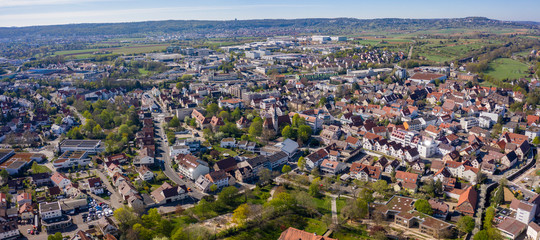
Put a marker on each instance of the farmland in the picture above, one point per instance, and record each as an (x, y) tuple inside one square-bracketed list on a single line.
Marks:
[(506, 68), (124, 50)]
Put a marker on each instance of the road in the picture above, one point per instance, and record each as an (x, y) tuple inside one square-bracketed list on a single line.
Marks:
[(116, 200), (79, 115), (162, 155)]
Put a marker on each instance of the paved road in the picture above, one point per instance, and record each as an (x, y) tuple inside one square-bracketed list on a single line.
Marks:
[(334, 211), (79, 115), (164, 155), (116, 200)]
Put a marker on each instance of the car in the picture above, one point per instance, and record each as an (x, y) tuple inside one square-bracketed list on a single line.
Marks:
[(85, 215)]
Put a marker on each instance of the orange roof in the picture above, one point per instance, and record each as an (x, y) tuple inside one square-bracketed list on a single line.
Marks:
[(296, 234), (468, 195)]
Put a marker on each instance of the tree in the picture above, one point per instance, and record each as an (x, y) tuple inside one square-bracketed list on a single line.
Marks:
[(488, 219), (213, 188), (288, 132), (56, 236), (264, 175), (286, 169), (212, 109), (380, 186), (322, 101), (423, 206), (481, 235), (465, 224), (97, 131), (256, 127), (126, 216), (304, 132), (536, 141), (298, 121), (315, 188), (4, 175), (241, 214), (301, 163), (228, 195), (175, 122)]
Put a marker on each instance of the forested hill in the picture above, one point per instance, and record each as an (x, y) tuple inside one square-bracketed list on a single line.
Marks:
[(259, 27)]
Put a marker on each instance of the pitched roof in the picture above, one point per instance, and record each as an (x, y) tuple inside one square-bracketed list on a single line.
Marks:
[(469, 195), (296, 234)]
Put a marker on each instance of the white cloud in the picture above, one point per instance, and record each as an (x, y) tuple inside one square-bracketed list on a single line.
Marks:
[(126, 15)]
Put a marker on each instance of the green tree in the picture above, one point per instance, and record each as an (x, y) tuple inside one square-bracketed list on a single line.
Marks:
[(175, 122), (288, 132), (286, 169), (536, 141), (301, 163), (255, 130), (212, 109), (315, 188), (241, 214), (228, 195), (4, 175), (97, 131), (488, 219), (481, 235), (126, 216), (304, 132), (213, 188), (423, 206), (322, 101), (56, 236), (465, 224)]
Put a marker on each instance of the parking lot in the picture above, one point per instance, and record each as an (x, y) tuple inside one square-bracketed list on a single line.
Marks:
[(82, 220)]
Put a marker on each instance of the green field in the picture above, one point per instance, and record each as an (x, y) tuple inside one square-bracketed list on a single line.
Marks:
[(125, 50), (506, 68)]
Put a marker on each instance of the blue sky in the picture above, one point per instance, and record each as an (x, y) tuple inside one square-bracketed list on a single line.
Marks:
[(47, 12)]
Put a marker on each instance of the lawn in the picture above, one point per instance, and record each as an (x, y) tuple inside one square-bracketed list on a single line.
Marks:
[(225, 150), (315, 226), (126, 50), (506, 68), (351, 233), (340, 203), (323, 205)]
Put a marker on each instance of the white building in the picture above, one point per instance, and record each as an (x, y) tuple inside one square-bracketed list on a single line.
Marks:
[(191, 167), (72, 158), (427, 148), (228, 143), (179, 149), (9, 230), (468, 122), (525, 212), (50, 210)]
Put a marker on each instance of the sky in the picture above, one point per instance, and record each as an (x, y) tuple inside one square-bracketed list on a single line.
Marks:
[(50, 12)]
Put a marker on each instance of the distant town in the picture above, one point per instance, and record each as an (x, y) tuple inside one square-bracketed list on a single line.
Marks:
[(284, 137)]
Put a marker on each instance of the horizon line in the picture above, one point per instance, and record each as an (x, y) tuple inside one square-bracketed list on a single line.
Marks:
[(259, 19)]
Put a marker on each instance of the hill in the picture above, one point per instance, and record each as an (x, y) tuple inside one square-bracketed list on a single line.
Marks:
[(263, 27)]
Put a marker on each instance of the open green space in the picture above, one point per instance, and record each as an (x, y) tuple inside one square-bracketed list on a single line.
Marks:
[(126, 50), (506, 68)]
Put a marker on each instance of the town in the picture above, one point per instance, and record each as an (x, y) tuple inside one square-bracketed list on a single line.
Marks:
[(286, 137)]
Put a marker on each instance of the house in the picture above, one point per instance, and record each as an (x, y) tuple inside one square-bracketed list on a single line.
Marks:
[(533, 231), (24, 198), (145, 157), (41, 179), (179, 149), (191, 167), (108, 226), (72, 159), (365, 172), (9, 230), (126, 189), (296, 234), (218, 178), (332, 167), (227, 165), (26, 211), (277, 159), (96, 186), (117, 179), (407, 180), (244, 174), (440, 208), (467, 202), (167, 193), (228, 143), (145, 173), (60, 180), (315, 159), (52, 218), (511, 228), (509, 159)]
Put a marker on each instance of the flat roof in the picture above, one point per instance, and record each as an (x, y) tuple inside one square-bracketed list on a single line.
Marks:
[(80, 143), (73, 154), (49, 206)]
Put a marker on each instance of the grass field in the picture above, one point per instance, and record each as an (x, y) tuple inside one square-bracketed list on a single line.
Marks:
[(506, 68), (125, 50), (316, 226)]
